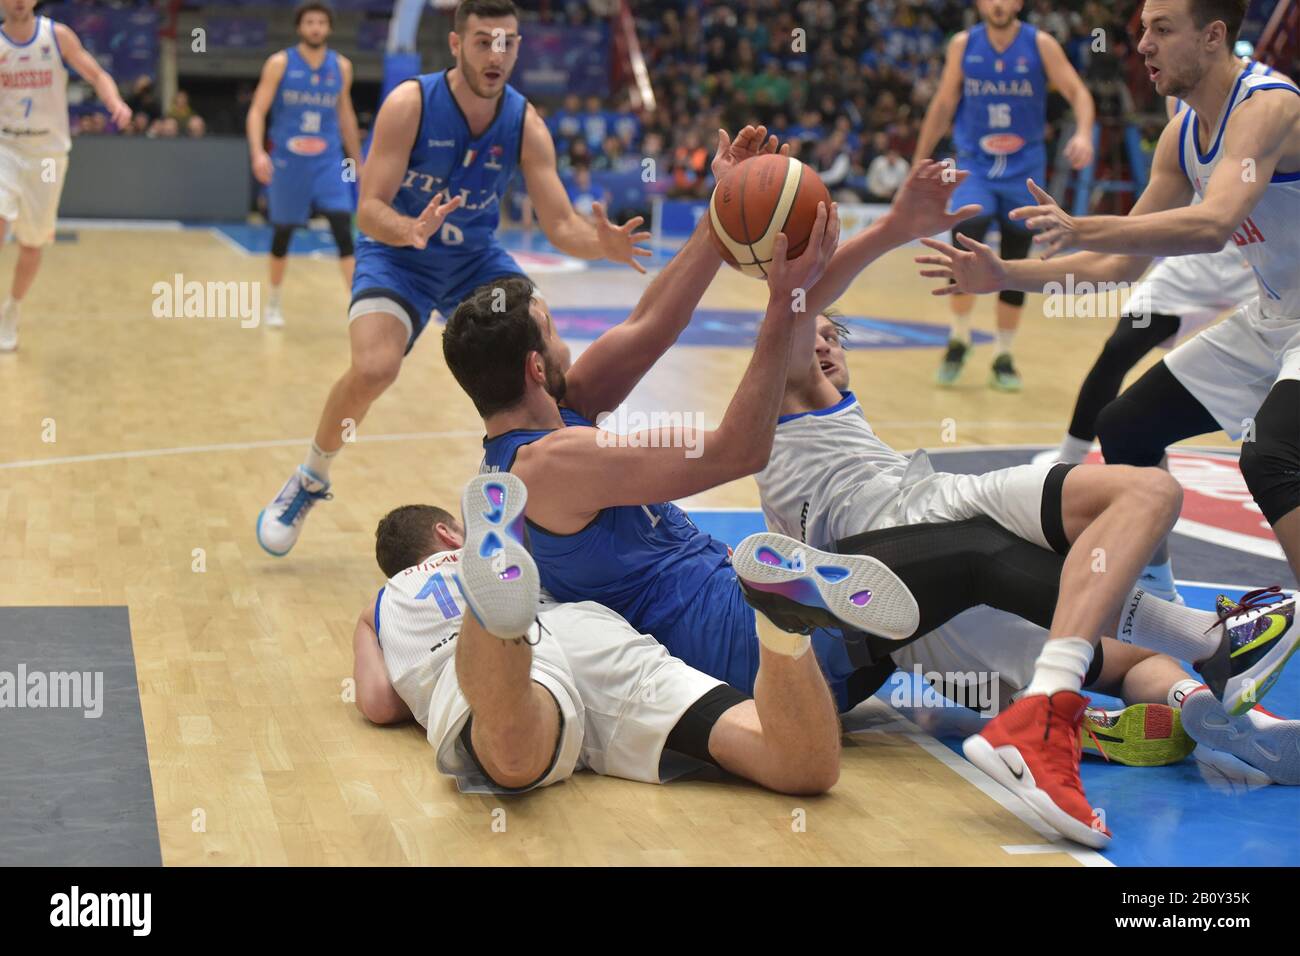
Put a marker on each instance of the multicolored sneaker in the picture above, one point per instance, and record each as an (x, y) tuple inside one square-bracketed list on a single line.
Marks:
[(1141, 735), (280, 522), (1263, 740), (1032, 749), (1003, 377), (952, 363), (801, 588), (1253, 650), (497, 575)]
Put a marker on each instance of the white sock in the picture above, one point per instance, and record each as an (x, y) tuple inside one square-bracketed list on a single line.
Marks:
[(1180, 691), (1158, 625), (1074, 450), (1062, 665), (273, 298), (960, 328), (781, 642), (318, 462), (1004, 339), (1159, 579)]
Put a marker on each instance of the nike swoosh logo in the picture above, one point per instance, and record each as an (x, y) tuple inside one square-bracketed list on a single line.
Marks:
[(1019, 774), (1276, 628)]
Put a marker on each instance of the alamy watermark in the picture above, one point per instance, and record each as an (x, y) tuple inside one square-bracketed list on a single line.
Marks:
[(624, 429), (61, 690), (1097, 300), (179, 299), (977, 690)]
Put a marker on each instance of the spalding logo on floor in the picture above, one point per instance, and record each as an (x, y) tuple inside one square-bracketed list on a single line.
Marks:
[(727, 327)]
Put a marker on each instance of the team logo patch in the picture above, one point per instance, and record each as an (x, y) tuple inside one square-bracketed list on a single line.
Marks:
[(1001, 144), (306, 145)]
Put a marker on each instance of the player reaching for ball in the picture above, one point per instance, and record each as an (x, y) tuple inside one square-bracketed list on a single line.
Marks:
[(459, 134)]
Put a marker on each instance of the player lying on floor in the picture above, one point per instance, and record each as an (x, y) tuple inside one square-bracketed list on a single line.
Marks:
[(603, 528), (517, 695), (985, 593)]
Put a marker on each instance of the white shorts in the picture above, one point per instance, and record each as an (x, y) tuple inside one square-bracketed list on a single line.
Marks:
[(1231, 367), (1198, 289), (620, 695), (30, 187), (1013, 497)]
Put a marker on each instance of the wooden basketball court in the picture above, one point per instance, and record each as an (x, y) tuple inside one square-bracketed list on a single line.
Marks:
[(138, 451)]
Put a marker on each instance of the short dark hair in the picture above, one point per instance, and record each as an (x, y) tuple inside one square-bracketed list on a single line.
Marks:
[(486, 9), (405, 536), (1231, 12), (487, 339), (312, 6)]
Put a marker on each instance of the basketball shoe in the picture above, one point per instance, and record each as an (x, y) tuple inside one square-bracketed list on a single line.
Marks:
[(800, 588), (1003, 376), (1261, 739), (1032, 749), (280, 522), (272, 316), (1141, 735), (953, 360), (9, 326), (1253, 650), (497, 575)]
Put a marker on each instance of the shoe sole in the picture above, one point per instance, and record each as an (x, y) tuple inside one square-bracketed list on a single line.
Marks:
[(1262, 676), (1149, 735), (1274, 750), (1000, 387), (855, 589), (497, 576), (983, 755)]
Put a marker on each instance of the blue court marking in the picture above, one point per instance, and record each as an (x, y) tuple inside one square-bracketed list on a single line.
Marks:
[(1181, 815)]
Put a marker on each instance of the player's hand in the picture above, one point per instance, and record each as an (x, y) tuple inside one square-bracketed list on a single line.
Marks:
[(974, 270), (1054, 228), (786, 276), (921, 206), (262, 168), (749, 142), (120, 114), (1079, 150), (620, 243), (431, 219)]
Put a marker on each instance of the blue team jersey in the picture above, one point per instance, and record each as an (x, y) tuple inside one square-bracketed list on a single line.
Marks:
[(651, 564), (1003, 110), (447, 157), (304, 113)]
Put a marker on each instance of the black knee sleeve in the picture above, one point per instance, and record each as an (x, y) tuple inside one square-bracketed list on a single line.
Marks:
[(280, 241), (1123, 350), (975, 227), (1153, 413), (1015, 245), (1271, 462), (341, 227)]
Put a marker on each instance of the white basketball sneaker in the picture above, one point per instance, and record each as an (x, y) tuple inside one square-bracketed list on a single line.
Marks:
[(272, 317), (280, 522), (9, 326), (497, 575), (1263, 740)]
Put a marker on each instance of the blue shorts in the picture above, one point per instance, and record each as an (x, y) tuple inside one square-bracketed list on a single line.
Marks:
[(300, 184), (715, 633), (411, 283), (1001, 195)]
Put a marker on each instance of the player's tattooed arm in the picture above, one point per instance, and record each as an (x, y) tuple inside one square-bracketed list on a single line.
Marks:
[(349, 131), (396, 127), (573, 473), (75, 55), (568, 231), (376, 697), (255, 123), (1062, 75), (939, 114)]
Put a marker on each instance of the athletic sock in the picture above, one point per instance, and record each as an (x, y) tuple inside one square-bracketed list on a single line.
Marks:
[(273, 298), (1062, 665), (1181, 691), (1004, 339), (318, 462), (960, 331), (781, 642), (1159, 580), (10, 302), (1181, 632), (1073, 450)]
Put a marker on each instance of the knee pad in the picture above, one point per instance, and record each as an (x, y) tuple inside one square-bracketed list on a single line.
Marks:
[(975, 227), (341, 228), (1012, 297), (280, 241), (1271, 463)]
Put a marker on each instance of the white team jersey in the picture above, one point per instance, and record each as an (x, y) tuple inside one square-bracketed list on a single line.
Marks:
[(830, 476), (34, 93), (1268, 238)]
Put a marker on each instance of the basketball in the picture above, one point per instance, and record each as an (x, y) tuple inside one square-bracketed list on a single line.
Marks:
[(756, 201)]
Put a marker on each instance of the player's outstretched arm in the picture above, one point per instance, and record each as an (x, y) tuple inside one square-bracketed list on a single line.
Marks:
[(396, 127), (349, 130), (376, 698), (610, 368), (939, 114), (255, 123), (1063, 76), (567, 230), (575, 472), (75, 55)]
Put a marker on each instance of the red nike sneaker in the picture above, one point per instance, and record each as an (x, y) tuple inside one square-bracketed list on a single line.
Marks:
[(1032, 749)]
